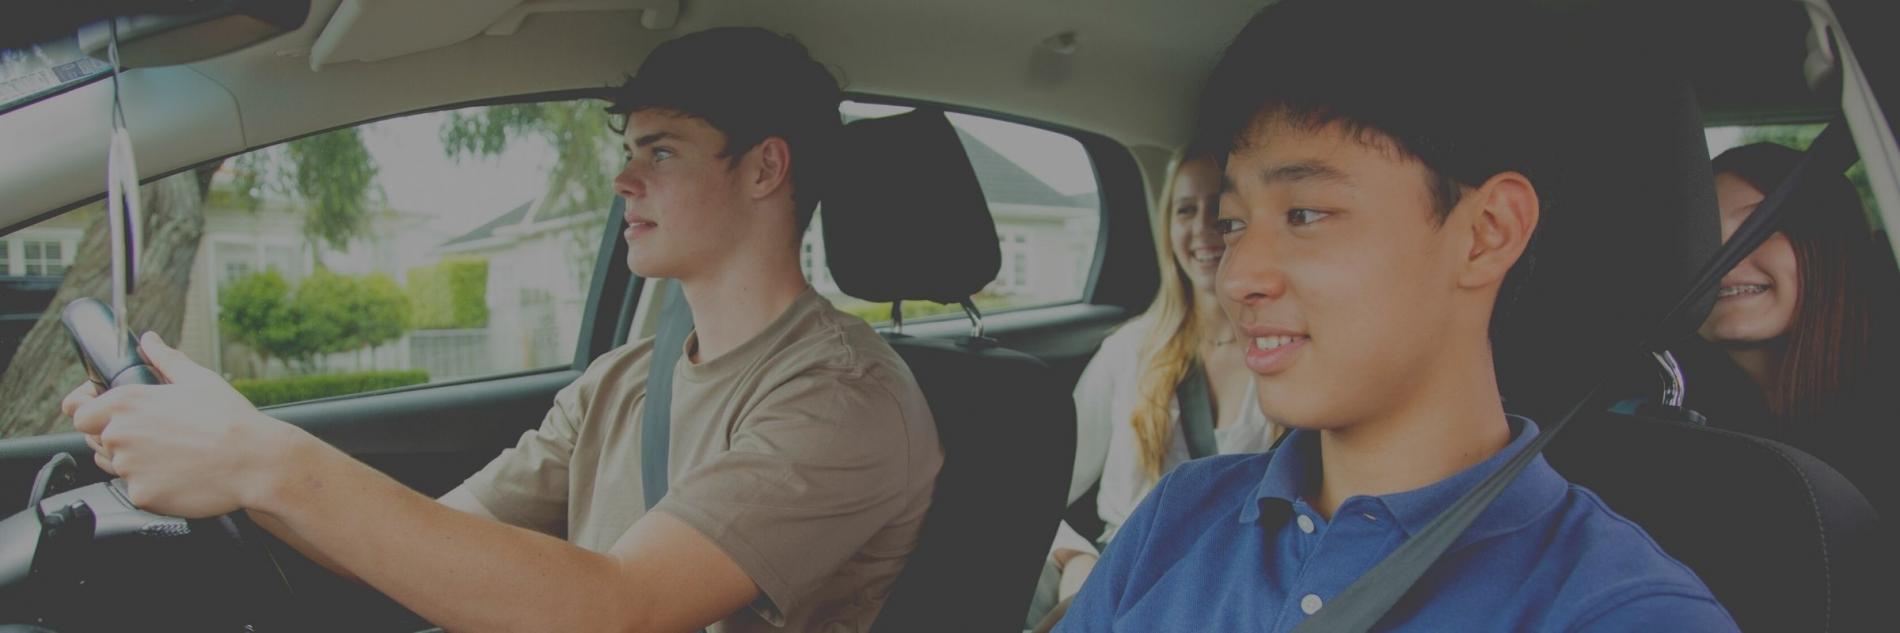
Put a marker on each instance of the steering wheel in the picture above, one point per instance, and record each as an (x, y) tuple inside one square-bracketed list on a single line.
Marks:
[(52, 541), (60, 517)]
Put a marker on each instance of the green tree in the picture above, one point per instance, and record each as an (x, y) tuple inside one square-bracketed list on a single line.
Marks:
[(344, 313), (327, 313), (584, 167), (44, 368), (382, 311), (450, 294), (331, 174), (256, 310)]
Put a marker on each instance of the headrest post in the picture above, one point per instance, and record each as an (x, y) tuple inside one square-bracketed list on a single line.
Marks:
[(976, 318), (1675, 388), (897, 317)]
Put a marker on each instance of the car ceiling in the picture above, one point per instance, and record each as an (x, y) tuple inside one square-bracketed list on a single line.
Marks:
[(1132, 73)]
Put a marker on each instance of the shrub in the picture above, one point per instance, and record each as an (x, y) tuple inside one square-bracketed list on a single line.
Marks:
[(327, 313), (452, 294), (267, 392), (256, 310), (344, 313)]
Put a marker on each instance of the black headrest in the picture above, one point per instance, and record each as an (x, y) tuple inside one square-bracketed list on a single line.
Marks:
[(906, 218), (1632, 218)]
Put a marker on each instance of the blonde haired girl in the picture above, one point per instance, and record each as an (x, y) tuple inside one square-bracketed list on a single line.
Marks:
[(1180, 355)]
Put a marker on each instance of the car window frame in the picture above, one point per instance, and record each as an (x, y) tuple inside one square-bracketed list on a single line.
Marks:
[(603, 289)]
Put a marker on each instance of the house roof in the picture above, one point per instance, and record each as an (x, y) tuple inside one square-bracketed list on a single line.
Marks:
[(1005, 182), (486, 231)]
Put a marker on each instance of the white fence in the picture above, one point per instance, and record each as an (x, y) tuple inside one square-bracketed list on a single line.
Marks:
[(451, 354)]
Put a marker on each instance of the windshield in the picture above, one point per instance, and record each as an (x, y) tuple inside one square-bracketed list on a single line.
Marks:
[(32, 72)]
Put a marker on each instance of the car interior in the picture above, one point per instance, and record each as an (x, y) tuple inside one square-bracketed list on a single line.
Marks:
[(1783, 540)]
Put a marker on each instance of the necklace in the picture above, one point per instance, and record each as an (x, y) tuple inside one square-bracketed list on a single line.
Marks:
[(1218, 343)]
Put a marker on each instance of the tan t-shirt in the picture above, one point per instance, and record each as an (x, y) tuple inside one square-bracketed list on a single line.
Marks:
[(807, 454)]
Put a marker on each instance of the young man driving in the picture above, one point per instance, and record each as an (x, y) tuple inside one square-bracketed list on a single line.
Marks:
[(803, 455), (1381, 188)]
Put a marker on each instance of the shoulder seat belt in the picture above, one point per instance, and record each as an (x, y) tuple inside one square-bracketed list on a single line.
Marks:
[(656, 415), (1197, 413)]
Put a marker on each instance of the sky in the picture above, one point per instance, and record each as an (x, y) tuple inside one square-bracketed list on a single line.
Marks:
[(460, 193)]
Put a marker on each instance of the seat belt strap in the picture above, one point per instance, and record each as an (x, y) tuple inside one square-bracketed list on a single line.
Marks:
[(656, 415), (1197, 413), (1366, 600)]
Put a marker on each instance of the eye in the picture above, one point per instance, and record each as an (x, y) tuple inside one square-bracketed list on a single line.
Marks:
[(1186, 209), (1303, 217), (661, 154), (1229, 226)]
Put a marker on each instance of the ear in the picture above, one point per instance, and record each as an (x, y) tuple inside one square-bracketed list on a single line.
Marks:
[(769, 167), (1505, 216)]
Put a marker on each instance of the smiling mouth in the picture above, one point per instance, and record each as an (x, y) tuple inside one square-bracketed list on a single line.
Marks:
[(1274, 342), (1207, 257), (1741, 290)]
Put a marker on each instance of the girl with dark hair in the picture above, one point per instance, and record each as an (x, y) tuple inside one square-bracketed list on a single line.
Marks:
[(1798, 321)]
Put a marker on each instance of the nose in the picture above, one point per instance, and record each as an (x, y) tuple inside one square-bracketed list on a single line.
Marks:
[(628, 184), (1203, 224), (1250, 273)]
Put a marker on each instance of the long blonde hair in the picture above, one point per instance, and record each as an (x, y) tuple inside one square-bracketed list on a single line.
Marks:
[(1174, 336)]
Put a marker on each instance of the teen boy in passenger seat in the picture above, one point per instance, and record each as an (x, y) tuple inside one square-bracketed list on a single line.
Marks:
[(803, 454), (1381, 188)]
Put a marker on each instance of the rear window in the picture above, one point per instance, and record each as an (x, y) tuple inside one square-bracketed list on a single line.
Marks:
[(1041, 189), (1797, 136)]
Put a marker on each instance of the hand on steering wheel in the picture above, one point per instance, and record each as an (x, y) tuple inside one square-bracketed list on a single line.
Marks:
[(191, 448)]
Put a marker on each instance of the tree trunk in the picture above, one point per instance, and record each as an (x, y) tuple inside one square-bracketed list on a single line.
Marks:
[(44, 369)]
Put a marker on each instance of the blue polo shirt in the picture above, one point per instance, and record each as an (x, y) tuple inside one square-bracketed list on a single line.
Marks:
[(1230, 543)]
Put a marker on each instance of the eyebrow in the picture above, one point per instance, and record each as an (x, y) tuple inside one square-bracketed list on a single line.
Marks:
[(1302, 171), (653, 138)]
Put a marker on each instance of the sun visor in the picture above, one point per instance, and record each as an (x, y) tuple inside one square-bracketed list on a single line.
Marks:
[(366, 31), (209, 30)]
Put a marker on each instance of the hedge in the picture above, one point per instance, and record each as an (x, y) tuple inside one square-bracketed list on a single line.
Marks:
[(451, 294), (266, 392)]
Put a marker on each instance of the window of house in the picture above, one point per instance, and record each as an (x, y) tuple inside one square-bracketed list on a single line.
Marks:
[(410, 260), (1041, 189), (42, 258)]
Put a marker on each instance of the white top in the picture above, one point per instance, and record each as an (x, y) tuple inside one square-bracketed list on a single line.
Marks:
[(1105, 444)]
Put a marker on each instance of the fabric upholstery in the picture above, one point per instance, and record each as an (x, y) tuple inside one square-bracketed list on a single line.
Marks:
[(1784, 542), (908, 221), (1007, 450), (907, 218)]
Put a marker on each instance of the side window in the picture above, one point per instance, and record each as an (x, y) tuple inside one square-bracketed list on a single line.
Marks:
[(1795, 136), (1041, 189), (430, 247)]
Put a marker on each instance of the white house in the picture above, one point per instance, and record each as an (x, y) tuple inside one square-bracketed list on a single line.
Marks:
[(538, 266)]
